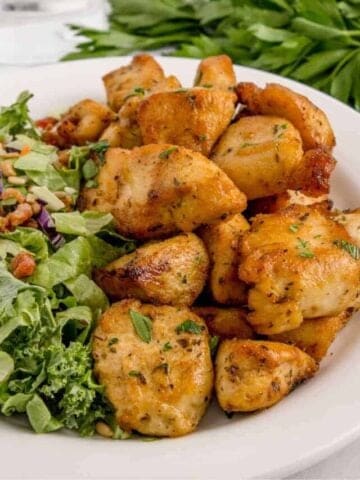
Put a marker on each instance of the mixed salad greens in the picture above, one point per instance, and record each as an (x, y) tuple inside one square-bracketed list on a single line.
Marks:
[(46, 318)]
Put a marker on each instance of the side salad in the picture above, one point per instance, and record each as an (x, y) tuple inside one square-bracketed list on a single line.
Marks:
[(49, 303)]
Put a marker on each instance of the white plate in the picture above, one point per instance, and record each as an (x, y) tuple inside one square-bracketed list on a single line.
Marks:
[(318, 418)]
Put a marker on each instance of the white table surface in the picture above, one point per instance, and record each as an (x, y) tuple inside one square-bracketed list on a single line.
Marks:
[(340, 466)]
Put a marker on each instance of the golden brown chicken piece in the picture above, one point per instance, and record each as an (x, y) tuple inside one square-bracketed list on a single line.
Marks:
[(350, 220), (314, 336), (222, 242), (194, 118), (225, 322), (159, 384), (83, 123), (251, 374), (275, 99), (216, 72), (260, 154), (125, 131), (297, 267), (169, 272), (141, 74), (158, 190)]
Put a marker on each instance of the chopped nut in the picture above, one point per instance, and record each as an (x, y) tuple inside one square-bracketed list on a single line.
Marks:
[(7, 168), (17, 180), (104, 430)]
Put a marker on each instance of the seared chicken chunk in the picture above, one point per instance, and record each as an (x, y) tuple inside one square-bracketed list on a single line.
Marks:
[(260, 154), (143, 73), (298, 268), (225, 322), (251, 375), (158, 190), (314, 336), (216, 72), (159, 384), (222, 241), (171, 272), (193, 118), (125, 131), (275, 99), (83, 123), (294, 261)]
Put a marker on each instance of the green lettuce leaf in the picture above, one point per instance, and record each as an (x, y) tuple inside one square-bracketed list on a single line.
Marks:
[(85, 223)]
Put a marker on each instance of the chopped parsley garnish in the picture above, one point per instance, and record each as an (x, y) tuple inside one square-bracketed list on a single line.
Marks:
[(350, 248), (142, 325), (189, 326), (113, 341), (304, 250), (166, 153), (137, 92), (213, 344), (294, 227), (167, 346), (138, 375), (279, 128)]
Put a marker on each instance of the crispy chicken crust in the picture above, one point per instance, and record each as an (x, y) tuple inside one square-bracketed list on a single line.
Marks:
[(296, 268), (260, 154), (315, 335), (216, 72), (275, 99), (159, 190), (225, 322), (169, 272), (193, 118), (222, 241), (158, 388), (144, 72), (251, 375)]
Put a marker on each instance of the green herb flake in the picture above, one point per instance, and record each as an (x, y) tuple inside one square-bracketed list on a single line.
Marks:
[(164, 155), (113, 341), (189, 326), (350, 248), (167, 346), (213, 344), (142, 325), (304, 250), (138, 375), (294, 227)]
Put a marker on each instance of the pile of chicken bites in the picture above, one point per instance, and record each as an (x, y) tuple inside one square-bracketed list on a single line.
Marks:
[(225, 187)]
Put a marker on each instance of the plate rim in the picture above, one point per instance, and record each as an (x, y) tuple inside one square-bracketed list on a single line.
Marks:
[(323, 451)]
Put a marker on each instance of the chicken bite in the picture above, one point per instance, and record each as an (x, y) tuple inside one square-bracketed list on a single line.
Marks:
[(275, 99), (251, 374), (297, 268), (159, 384), (193, 118), (315, 335), (225, 322), (125, 131), (216, 72), (159, 190), (260, 154), (222, 242), (169, 272), (141, 74), (82, 123)]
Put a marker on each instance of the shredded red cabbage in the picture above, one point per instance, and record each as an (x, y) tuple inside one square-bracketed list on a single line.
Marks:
[(47, 225)]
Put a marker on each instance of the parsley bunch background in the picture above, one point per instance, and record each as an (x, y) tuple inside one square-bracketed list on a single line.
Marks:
[(314, 41)]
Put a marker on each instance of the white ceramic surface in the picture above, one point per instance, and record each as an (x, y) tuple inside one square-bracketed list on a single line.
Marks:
[(317, 419)]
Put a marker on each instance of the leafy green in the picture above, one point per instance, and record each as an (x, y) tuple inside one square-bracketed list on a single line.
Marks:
[(142, 325), (317, 42), (15, 118), (30, 239), (189, 326), (85, 223), (6, 366)]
